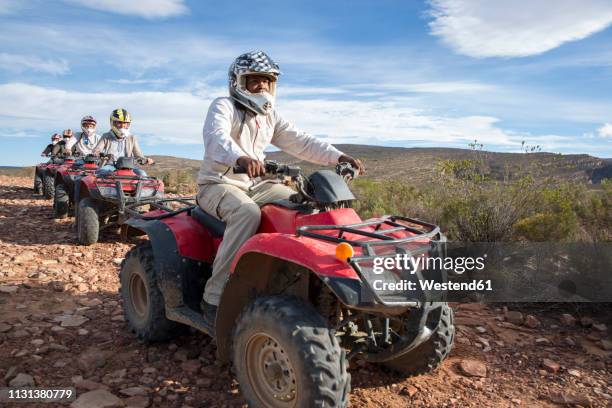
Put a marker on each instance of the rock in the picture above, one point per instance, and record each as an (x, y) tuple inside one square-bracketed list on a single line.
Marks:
[(138, 401), (550, 365), (25, 256), (542, 341), (83, 332), (10, 373), (191, 366), (58, 347), (37, 342), (473, 368), (569, 341), (92, 358), (8, 289), (514, 317), (409, 390), (89, 385), (133, 391), (481, 329), (118, 318), (532, 322), (97, 399), (72, 320), (90, 302), (606, 344), (18, 334), (600, 327), (22, 380), (566, 398), (574, 373), (586, 322), (567, 319), (5, 327), (117, 261)]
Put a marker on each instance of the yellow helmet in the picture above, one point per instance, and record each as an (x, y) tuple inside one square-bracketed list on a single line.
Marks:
[(119, 115)]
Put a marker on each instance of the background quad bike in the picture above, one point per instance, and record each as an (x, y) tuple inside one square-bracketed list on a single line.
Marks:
[(44, 177), (290, 309), (106, 199), (65, 178)]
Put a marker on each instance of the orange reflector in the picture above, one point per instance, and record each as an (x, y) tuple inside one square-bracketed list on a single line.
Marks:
[(344, 251)]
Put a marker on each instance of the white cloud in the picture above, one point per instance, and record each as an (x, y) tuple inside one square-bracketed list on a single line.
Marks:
[(160, 81), (19, 63), (142, 8), (177, 117), (486, 28), (9, 6), (605, 130), (431, 87)]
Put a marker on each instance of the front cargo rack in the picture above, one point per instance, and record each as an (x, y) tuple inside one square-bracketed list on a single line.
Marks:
[(378, 236)]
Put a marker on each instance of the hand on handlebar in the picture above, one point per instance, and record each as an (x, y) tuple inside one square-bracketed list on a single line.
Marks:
[(356, 163), (254, 168)]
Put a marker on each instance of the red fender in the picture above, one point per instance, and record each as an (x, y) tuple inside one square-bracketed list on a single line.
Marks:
[(317, 255)]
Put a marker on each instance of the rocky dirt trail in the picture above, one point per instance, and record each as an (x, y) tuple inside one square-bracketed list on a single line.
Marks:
[(62, 324)]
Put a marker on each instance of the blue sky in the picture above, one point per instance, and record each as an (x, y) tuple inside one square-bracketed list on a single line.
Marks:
[(399, 73)]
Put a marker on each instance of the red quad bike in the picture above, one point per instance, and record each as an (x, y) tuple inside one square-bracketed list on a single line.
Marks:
[(297, 304), (44, 177), (66, 177), (107, 199)]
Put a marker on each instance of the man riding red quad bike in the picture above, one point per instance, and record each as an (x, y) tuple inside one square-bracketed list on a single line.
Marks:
[(65, 178), (301, 293), (107, 198)]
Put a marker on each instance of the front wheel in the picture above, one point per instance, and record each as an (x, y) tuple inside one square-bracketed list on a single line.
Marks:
[(284, 355), (61, 202), (88, 222), (428, 356), (143, 303), (38, 183), (48, 186)]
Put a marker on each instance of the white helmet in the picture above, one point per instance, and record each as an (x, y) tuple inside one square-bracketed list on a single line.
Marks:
[(253, 63)]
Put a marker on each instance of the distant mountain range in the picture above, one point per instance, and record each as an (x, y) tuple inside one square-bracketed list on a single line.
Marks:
[(419, 164)]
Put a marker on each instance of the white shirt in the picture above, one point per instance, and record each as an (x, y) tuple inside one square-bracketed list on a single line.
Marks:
[(224, 143), (84, 143)]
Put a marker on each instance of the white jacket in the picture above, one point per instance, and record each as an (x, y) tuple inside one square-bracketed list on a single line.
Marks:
[(223, 144), (84, 144)]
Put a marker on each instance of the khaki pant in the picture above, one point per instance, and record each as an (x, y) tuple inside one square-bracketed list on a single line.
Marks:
[(239, 209)]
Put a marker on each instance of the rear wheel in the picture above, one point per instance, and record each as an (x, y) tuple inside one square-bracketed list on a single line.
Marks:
[(428, 356), (284, 355), (38, 183), (61, 202), (143, 303), (48, 186), (88, 221)]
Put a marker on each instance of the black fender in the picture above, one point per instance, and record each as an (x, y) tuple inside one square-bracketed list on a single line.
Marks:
[(257, 274), (180, 279)]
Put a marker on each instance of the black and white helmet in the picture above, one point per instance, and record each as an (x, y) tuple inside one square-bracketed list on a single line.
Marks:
[(253, 63)]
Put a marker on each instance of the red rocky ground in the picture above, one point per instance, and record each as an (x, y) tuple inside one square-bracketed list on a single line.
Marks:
[(61, 324)]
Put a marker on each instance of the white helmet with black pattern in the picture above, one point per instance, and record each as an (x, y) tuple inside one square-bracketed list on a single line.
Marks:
[(253, 63)]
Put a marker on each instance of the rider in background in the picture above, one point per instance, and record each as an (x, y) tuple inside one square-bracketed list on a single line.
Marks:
[(85, 140), (64, 148), (55, 138), (119, 142)]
